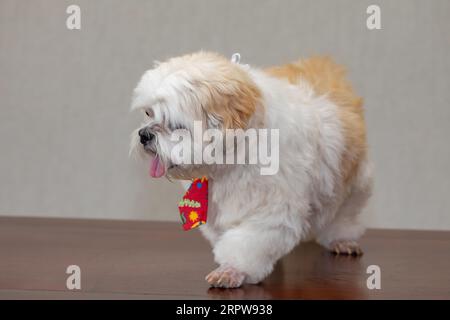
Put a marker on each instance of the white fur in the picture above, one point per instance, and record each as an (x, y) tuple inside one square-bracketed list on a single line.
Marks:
[(254, 220)]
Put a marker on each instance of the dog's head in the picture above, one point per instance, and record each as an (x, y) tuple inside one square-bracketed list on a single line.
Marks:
[(203, 87)]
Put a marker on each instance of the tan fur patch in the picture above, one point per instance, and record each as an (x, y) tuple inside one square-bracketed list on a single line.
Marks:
[(232, 96), (328, 78)]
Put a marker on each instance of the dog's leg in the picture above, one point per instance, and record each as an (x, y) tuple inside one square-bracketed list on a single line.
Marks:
[(342, 234), (248, 253)]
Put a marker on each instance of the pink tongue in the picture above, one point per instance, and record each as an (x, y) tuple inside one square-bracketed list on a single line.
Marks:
[(157, 169)]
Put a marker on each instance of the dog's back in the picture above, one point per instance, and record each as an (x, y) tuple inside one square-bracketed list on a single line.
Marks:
[(329, 79)]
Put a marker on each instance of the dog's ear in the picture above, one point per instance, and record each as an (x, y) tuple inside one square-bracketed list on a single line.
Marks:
[(231, 99)]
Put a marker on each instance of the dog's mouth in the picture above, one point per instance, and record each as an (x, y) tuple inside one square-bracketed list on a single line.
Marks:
[(157, 168)]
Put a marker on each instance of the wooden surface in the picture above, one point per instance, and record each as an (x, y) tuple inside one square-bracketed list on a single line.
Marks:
[(148, 260)]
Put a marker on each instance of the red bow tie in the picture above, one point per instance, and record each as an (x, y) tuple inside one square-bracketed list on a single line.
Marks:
[(194, 205)]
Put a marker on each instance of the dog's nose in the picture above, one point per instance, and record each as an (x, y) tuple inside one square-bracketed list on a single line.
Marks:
[(145, 136)]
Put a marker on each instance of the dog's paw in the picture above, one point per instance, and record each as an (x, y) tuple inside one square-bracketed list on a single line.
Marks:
[(225, 277), (346, 247)]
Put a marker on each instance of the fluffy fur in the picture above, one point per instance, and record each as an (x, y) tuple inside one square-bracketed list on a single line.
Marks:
[(324, 177)]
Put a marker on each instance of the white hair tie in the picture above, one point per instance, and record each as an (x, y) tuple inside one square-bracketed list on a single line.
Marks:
[(236, 58)]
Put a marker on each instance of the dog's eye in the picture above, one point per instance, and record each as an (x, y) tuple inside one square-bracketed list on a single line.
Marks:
[(149, 113)]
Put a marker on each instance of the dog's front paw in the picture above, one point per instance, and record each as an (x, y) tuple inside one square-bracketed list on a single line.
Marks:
[(225, 277)]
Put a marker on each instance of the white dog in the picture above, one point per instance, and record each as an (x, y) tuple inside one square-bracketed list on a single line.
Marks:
[(324, 177)]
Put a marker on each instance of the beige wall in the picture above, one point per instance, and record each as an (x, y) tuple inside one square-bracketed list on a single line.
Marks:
[(64, 96)]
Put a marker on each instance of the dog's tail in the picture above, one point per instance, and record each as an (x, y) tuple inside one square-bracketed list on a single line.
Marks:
[(324, 75)]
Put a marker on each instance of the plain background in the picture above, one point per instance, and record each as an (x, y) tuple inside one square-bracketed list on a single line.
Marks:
[(65, 94)]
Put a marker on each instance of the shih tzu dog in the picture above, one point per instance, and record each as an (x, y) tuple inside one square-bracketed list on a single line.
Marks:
[(323, 178)]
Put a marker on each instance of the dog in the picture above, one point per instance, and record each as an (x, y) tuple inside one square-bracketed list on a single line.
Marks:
[(324, 179)]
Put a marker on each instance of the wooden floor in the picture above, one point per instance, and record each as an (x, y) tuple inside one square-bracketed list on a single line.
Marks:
[(156, 260)]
